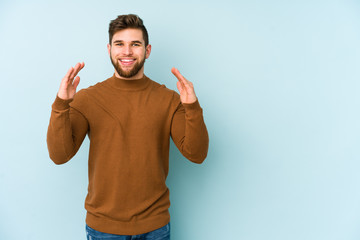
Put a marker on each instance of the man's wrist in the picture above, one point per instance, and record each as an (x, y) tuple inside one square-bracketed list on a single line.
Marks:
[(61, 104)]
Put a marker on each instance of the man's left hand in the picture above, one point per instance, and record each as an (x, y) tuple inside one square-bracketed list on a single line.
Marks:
[(185, 87)]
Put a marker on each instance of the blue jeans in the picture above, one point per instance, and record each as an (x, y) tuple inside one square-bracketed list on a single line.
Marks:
[(162, 233)]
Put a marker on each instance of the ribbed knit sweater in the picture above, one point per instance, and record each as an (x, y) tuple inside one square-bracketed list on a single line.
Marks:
[(129, 124)]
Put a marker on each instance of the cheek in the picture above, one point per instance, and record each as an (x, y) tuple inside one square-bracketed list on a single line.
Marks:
[(143, 54), (114, 54)]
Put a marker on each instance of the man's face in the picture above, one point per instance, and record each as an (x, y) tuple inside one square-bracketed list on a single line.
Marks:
[(128, 53)]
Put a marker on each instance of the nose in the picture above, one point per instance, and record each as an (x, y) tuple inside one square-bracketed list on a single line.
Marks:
[(127, 50)]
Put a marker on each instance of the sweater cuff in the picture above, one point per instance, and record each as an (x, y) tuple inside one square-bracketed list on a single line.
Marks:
[(192, 106), (61, 104)]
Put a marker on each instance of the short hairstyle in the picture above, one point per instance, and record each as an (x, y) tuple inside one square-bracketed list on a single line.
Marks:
[(127, 21)]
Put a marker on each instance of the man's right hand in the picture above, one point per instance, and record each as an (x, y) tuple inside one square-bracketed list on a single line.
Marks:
[(70, 82)]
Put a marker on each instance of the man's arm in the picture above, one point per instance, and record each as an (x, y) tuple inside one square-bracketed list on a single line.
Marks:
[(188, 129), (67, 127)]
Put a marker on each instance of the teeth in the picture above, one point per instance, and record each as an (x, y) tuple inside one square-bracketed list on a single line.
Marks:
[(127, 60)]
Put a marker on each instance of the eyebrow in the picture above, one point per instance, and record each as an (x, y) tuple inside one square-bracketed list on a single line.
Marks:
[(120, 41)]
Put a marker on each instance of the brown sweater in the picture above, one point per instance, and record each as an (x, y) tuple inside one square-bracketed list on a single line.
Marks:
[(129, 124)]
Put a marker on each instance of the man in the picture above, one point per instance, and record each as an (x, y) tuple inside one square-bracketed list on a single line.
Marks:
[(129, 120)]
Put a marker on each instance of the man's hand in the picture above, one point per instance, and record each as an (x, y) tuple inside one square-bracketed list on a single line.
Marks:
[(185, 87), (68, 83)]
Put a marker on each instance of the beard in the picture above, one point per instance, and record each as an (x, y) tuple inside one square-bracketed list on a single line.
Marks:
[(127, 73)]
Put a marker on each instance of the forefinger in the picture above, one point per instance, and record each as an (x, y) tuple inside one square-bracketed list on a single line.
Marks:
[(77, 69), (178, 75), (69, 72)]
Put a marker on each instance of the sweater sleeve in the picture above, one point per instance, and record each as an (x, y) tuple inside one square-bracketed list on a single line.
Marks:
[(189, 133), (67, 130)]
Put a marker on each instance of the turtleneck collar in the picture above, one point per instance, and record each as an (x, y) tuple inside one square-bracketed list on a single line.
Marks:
[(129, 85)]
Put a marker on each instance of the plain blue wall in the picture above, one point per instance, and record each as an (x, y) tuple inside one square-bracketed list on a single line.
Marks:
[(279, 84)]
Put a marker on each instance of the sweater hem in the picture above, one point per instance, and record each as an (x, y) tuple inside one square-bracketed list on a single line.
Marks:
[(137, 227)]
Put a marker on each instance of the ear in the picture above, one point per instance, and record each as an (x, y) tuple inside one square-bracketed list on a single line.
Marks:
[(148, 51), (109, 48)]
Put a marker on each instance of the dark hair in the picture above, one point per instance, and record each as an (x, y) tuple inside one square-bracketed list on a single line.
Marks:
[(127, 21)]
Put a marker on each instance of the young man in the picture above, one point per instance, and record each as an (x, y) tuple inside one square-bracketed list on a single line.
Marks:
[(129, 120)]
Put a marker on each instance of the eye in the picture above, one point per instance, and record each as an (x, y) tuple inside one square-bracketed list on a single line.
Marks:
[(136, 44), (119, 44)]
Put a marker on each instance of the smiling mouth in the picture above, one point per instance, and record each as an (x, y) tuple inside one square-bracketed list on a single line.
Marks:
[(127, 62)]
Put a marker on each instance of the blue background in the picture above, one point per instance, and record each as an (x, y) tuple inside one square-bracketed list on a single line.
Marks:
[(279, 85)]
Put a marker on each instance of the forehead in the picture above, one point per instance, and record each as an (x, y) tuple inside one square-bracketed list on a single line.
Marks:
[(128, 35)]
